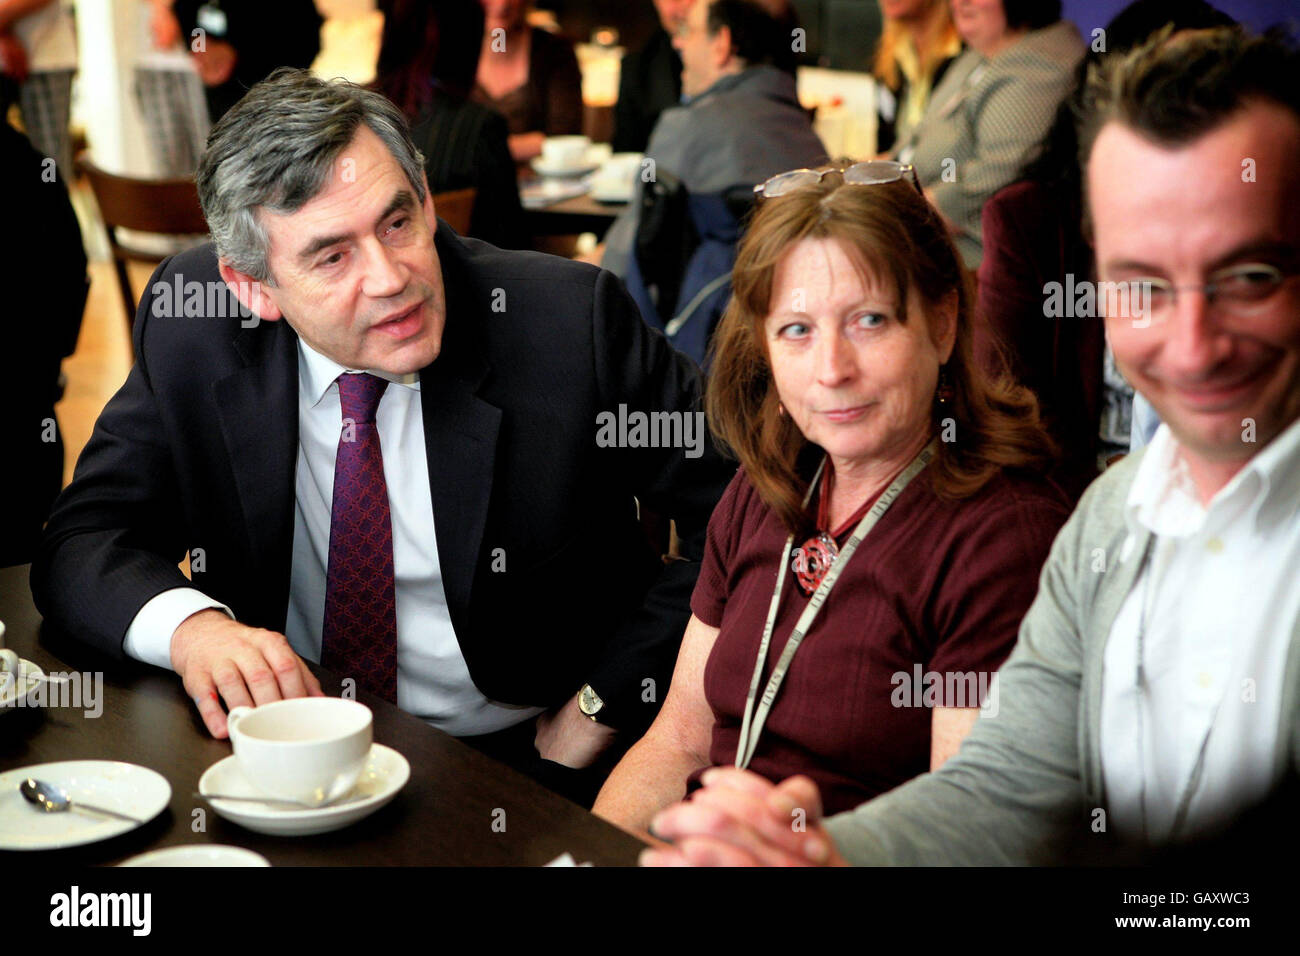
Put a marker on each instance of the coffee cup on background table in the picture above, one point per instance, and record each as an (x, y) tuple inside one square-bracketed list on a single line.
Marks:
[(564, 151)]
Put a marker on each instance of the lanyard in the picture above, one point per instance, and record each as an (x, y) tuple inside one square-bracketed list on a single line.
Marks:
[(752, 724)]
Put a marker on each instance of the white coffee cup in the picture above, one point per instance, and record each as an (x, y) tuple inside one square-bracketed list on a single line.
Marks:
[(564, 152), (310, 749)]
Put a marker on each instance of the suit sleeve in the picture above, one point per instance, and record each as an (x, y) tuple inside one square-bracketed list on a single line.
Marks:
[(116, 533), (636, 367)]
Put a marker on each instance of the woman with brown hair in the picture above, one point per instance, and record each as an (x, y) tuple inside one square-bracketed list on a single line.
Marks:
[(843, 380)]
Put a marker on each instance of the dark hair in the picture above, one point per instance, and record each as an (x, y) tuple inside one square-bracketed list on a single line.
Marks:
[(897, 236), (1057, 165), (1031, 14), (429, 48), (757, 37), (1177, 87)]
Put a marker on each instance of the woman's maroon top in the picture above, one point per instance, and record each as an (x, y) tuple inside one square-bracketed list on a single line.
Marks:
[(932, 598)]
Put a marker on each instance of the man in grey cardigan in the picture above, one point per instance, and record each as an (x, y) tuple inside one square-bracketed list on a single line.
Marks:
[(1154, 694)]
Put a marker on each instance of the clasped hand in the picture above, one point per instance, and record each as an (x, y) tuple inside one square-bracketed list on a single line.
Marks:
[(741, 819)]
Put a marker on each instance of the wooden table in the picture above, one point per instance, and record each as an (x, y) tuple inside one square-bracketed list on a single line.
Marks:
[(569, 216), (444, 815)]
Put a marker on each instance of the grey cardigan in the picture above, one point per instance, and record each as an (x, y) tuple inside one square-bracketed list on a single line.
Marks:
[(1028, 779)]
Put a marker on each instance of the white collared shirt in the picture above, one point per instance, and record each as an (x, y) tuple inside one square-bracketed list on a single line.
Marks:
[(433, 679), (1220, 600)]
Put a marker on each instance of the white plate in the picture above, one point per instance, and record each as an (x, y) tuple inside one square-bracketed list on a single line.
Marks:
[(543, 168), (124, 787), (199, 854), (385, 773), (602, 191), (12, 691), (545, 192)]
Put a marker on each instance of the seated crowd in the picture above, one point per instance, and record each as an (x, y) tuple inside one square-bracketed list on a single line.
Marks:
[(919, 605)]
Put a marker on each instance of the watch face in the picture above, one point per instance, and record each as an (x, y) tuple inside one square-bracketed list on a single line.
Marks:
[(589, 701)]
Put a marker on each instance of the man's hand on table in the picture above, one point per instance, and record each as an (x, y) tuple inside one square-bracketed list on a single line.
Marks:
[(222, 660), (571, 738), (742, 819)]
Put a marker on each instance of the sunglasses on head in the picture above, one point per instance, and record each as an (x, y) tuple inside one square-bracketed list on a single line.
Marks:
[(873, 172)]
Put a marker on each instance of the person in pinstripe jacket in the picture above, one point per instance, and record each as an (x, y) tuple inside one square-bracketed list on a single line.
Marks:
[(992, 110)]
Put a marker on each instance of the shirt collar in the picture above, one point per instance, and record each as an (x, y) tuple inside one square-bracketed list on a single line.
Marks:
[(1163, 498), (316, 374)]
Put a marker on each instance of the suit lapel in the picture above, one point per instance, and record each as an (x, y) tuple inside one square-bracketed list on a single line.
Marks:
[(258, 409), (460, 431)]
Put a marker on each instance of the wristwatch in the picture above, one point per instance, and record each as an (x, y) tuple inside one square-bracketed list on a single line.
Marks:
[(589, 702)]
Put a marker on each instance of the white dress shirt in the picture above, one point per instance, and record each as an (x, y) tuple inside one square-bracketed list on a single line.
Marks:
[(433, 680), (1219, 599)]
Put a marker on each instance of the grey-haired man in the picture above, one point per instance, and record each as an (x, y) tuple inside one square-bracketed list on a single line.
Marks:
[(403, 479), (1155, 689)]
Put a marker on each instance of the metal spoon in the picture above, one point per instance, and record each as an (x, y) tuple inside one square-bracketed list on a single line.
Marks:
[(54, 799)]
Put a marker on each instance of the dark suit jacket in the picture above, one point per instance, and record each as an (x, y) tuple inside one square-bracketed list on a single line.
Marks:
[(466, 145), (650, 81), (198, 449)]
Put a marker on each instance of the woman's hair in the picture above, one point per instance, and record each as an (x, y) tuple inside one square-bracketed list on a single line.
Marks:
[(884, 67), (1031, 14), (899, 238), (428, 49)]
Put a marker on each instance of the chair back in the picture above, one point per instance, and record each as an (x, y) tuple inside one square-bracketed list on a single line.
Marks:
[(167, 206), (455, 208)]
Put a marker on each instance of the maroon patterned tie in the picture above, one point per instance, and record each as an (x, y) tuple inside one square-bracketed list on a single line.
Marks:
[(359, 638)]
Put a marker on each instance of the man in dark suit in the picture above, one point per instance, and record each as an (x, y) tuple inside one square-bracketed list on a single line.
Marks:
[(425, 477), (649, 80)]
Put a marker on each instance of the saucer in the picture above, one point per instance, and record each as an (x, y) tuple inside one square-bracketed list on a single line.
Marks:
[(199, 854), (15, 688), (124, 787), (543, 168), (385, 773)]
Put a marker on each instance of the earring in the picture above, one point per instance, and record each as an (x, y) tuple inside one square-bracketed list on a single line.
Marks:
[(944, 393), (780, 409)]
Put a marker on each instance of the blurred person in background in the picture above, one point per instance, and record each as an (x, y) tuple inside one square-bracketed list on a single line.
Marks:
[(529, 76), (649, 80), (38, 57), (917, 45), (242, 41), (741, 121), (43, 266), (169, 92), (428, 60), (992, 109)]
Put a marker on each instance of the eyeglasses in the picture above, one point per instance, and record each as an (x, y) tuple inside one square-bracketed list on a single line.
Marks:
[(873, 172), (1238, 290)]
